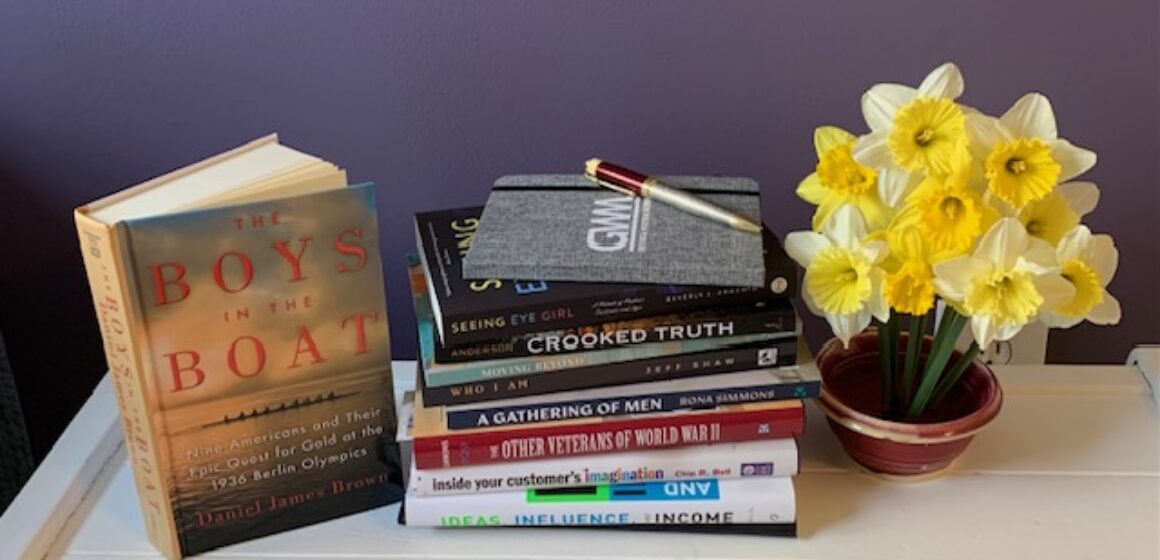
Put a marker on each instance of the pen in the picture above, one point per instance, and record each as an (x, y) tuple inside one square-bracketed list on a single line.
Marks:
[(632, 183)]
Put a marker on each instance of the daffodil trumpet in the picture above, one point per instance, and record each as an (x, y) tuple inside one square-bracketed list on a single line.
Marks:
[(940, 208)]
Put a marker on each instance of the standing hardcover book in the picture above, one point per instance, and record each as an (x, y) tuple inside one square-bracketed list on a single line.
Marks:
[(242, 308), (562, 227), (469, 311)]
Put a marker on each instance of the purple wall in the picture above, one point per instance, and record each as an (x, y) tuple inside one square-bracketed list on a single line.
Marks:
[(435, 100)]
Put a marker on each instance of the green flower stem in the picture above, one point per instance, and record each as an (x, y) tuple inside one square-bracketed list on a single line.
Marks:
[(944, 386), (886, 357), (913, 348), (940, 352), (894, 356)]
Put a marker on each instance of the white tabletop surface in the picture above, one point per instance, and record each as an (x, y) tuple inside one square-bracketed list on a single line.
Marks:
[(1070, 469)]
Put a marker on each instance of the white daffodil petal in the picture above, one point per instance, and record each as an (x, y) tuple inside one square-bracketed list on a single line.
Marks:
[(1073, 243), (953, 276), (848, 325), (1101, 254), (983, 132), (983, 328), (1106, 312), (1003, 208), (1081, 196), (894, 184), (1004, 243), (846, 227), (872, 150), (1055, 290), (825, 211), (877, 305), (881, 101), (1031, 117), (803, 246), (1057, 321), (1007, 331), (1072, 160), (1039, 258), (944, 81), (875, 251), (827, 138)]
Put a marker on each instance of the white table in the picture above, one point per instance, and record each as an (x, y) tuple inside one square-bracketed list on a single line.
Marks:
[(1070, 469)]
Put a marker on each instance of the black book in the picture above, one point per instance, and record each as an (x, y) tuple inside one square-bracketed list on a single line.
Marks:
[(777, 317), (469, 311), (756, 355)]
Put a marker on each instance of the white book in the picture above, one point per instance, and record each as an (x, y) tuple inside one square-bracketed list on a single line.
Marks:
[(709, 501), (754, 459)]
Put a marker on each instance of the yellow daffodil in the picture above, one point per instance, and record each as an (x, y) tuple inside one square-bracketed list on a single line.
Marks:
[(839, 180), (1004, 284), (1058, 213), (916, 130), (909, 285), (843, 281), (895, 184), (1024, 158), (1088, 262), (948, 212)]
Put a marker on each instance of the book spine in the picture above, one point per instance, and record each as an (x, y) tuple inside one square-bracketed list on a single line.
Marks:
[(524, 444), (636, 404), (699, 501), (439, 375), (576, 312), (778, 457), (774, 354), (614, 334), (117, 318)]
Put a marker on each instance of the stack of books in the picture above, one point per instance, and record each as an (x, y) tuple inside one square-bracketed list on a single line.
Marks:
[(567, 403)]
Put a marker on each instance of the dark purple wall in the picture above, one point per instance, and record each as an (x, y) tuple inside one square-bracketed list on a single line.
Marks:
[(435, 100)]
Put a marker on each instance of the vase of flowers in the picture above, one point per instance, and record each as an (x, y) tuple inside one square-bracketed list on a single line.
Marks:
[(941, 217)]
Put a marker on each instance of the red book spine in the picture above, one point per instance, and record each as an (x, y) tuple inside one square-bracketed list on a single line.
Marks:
[(479, 448)]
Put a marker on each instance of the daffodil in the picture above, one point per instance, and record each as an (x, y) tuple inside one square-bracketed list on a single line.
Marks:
[(1088, 262), (839, 180), (909, 285), (1024, 158), (1004, 283), (916, 130), (843, 281), (948, 212), (1058, 213)]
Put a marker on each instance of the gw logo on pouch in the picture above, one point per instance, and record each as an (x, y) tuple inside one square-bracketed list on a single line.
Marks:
[(619, 224)]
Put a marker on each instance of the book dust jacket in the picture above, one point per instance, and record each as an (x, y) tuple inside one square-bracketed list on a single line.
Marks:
[(266, 363)]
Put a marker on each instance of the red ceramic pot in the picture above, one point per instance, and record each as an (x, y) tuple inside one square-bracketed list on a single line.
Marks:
[(851, 398)]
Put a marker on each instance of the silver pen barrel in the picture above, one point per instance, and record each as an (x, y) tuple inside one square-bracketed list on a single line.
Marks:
[(696, 205)]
